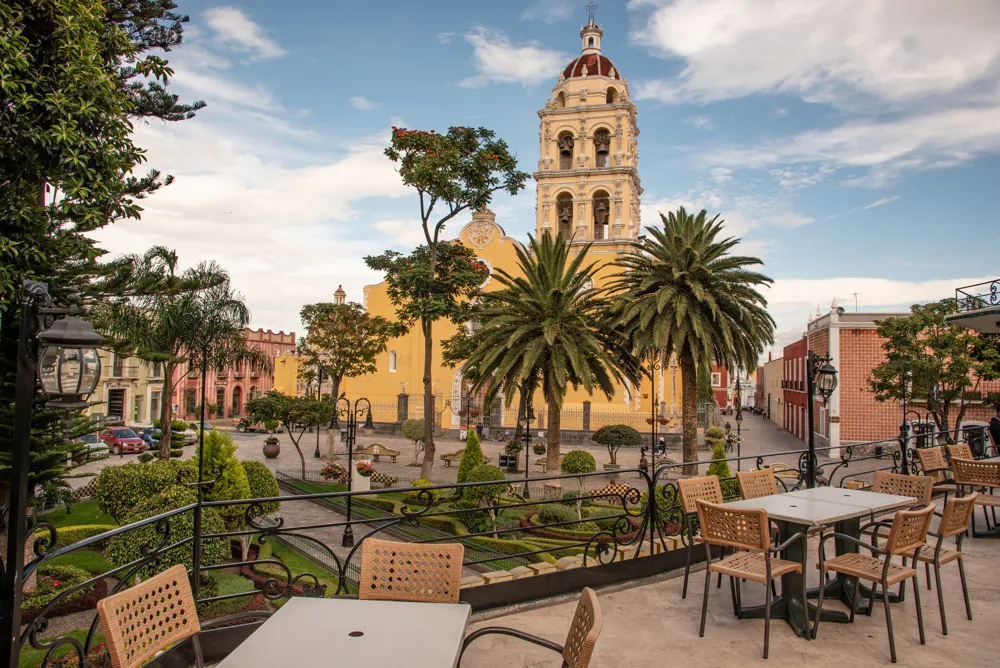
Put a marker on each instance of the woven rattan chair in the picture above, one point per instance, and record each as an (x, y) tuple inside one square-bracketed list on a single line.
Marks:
[(691, 490), (982, 477), (583, 633), (933, 464), (954, 523), (755, 484), (919, 486), (907, 533), (746, 531), (959, 451), (422, 572)]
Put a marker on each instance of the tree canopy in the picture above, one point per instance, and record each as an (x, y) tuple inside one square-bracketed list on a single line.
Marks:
[(295, 414)]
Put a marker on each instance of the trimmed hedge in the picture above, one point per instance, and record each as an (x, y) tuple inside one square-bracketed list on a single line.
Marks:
[(120, 489), (552, 514), (385, 505), (504, 546), (69, 535), (443, 524), (262, 485)]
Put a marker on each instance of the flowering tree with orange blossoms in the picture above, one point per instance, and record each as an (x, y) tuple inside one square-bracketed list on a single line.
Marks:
[(451, 172)]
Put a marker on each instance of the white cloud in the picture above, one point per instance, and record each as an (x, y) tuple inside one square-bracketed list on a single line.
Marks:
[(234, 29), (700, 122), (408, 233), (362, 103), (880, 202), (498, 60), (742, 214), (721, 174), (549, 11), (446, 37)]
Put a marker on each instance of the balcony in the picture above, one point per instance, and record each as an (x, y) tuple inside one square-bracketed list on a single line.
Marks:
[(239, 373), (122, 371), (503, 569), (978, 307)]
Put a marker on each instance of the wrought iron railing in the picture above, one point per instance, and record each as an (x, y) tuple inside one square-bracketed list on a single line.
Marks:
[(978, 296), (612, 528)]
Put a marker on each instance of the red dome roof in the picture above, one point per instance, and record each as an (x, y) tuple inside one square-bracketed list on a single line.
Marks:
[(596, 66)]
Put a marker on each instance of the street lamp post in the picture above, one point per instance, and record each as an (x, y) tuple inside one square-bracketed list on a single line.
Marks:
[(655, 355), (527, 416), (352, 413), (63, 354), (821, 377), (739, 420)]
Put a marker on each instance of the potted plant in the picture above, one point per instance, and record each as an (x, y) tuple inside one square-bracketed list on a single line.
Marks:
[(365, 469), (662, 420), (649, 420), (614, 437), (513, 449), (271, 446), (334, 472), (538, 448)]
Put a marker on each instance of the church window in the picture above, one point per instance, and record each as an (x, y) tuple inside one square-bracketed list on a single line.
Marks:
[(561, 101), (602, 147), (565, 143), (591, 43), (392, 361), (564, 211), (602, 210), (612, 95)]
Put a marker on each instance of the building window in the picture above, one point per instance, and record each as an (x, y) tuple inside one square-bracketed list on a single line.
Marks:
[(612, 96), (157, 370), (564, 211), (602, 211), (190, 399), (220, 401), (716, 379), (565, 143), (392, 361), (561, 101), (154, 405), (602, 147)]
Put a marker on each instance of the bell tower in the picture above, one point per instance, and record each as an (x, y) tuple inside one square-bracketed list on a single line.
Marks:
[(588, 177)]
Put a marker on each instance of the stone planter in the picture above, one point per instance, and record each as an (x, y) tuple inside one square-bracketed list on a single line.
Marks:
[(361, 483), (271, 447)]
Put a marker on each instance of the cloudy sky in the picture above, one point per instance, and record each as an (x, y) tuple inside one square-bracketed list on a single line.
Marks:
[(853, 144)]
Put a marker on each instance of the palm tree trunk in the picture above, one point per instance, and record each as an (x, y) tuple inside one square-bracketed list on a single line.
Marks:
[(428, 463), (689, 410), (166, 410), (553, 488)]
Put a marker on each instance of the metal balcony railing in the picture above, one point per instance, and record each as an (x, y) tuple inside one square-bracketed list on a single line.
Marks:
[(978, 296), (121, 371)]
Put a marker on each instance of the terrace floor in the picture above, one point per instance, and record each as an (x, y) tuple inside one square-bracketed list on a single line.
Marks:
[(647, 624)]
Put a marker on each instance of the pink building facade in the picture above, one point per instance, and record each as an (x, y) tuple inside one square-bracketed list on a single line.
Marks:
[(229, 389)]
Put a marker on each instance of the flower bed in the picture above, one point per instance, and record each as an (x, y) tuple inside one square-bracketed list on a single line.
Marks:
[(52, 581)]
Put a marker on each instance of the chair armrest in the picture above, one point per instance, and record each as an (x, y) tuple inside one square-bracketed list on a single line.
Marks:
[(503, 630), (235, 618), (851, 539), (781, 548), (880, 523)]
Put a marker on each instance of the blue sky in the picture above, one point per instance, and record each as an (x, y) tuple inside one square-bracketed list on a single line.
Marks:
[(853, 144)]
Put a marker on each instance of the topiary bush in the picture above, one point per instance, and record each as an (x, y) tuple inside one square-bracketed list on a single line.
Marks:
[(471, 457), (554, 513), (121, 488), (145, 457), (609, 519), (487, 494), (262, 485), (128, 547), (415, 497), (572, 498), (176, 452), (579, 462), (220, 463), (715, 436), (616, 436), (720, 469), (413, 431)]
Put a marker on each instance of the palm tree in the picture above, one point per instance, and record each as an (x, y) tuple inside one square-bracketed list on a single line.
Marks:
[(544, 329), (202, 324), (682, 289)]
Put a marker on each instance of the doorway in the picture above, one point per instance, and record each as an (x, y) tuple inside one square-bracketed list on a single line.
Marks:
[(116, 404)]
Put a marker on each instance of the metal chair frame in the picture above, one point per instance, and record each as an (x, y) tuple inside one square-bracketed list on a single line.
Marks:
[(950, 526), (689, 506)]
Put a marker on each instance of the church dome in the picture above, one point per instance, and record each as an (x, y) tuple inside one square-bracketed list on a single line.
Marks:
[(591, 65)]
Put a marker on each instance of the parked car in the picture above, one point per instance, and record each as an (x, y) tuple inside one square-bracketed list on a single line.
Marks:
[(195, 427), (151, 437), (121, 440), (92, 441)]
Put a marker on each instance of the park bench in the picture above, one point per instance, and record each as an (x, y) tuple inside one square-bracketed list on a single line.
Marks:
[(376, 449), (457, 456), (383, 480)]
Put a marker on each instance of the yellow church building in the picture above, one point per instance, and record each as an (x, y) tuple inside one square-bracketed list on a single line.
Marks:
[(588, 188)]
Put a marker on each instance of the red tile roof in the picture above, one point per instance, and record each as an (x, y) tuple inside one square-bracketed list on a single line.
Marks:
[(596, 66)]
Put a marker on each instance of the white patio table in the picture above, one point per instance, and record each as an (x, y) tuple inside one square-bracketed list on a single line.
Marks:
[(349, 632), (800, 511)]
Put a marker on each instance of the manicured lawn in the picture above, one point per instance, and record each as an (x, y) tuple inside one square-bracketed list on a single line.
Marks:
[(227, 584), (31, 657), (92, 562), (85, 512)]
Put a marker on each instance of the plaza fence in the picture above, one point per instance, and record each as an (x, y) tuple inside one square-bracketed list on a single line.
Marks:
[(626, 529)]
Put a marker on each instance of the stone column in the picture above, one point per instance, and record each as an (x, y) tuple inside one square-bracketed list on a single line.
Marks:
[(402, 407), (586, 416)]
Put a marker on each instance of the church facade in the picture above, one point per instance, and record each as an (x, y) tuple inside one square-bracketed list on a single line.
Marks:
[(588, 189)]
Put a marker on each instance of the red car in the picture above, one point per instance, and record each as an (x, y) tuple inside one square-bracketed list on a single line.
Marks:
[(122, 440)]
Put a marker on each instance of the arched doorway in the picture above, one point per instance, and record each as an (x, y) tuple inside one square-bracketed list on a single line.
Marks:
[(237, 402)]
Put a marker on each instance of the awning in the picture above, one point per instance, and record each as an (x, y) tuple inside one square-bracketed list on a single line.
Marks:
[(985, 320)]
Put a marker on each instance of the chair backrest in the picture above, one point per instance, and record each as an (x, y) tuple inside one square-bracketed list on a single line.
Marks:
[(931, 459), (755, 484), (583, 632), (148, 617), (957, 515), (909, 530), (959, 451), (707, 488), (972, 472), (919, 486), (724, 525), (423, 572)]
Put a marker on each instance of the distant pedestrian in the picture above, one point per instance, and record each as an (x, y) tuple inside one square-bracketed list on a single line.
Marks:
[(995, 427), (479, 430)]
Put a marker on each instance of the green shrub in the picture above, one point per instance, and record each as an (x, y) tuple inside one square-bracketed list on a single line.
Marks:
[(145, 457), (224, 584), (720, 469), (615, 436), (385, 505), (69, 535), (578, 461), (715, 437), (262, 485), (176, 452), (413, 430), (508, 546), (608, 519), (231, 484), (555, 513), (424, 482), (442, 524), (52, 580), (571, 498), (121, 488), (471, 457), (127, 547), (487, 493)]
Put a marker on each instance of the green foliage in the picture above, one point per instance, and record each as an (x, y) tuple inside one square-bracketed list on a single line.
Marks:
[(553, 513), (52, 580), (424, 482), (128, 547), (231, 483), (615, 436), (413, 429), (705, 384), (74, 534), (509, 546), (928, 359), (572, 498), (609, 519), (472, 456), (145, 457), (122, 488), (715, 436), (225, 584), (296, 414), (262, 485), (578, 462), (488, 494), (82, 512), (87, 560), (719, 468)]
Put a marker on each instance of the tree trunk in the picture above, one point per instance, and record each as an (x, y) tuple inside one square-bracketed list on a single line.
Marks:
[(689, 410), (302, 457), (166, 410), (428, 463), (553, 488)]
